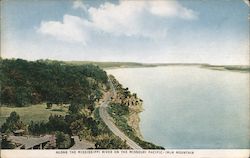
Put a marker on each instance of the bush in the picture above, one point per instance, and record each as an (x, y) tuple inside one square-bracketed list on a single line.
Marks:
[(118, 113), (111, 143), (12, 123), (5, 144), (58, 123), (63, 141), (49, 105), (37, 128)]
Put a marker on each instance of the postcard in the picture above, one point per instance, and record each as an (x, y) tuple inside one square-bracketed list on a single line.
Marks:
[(125, 78)]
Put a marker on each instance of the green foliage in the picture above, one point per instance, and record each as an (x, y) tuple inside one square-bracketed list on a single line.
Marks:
[(102, 128), (13, 123), (238, 68), (63, 141), (25, 83), (77, 126), (118, 112), (72, 117), (37, 112), (37, 128), (14, 117), (119, 109), (111, 64), (6, 144), (57, 123), (75, 108), (49, 105), (111, 143), (145, 144), (84, 126)]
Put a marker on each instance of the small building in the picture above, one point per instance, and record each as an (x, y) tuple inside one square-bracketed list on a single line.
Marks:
[(19, 132)]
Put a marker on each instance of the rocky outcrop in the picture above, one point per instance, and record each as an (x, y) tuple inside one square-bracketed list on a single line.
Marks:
[(124, 97)]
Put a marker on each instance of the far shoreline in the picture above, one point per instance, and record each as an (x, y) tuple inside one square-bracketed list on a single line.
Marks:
[(232, 68), (107, 65)]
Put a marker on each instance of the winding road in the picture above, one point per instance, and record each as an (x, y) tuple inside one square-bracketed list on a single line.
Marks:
[(108, 121)]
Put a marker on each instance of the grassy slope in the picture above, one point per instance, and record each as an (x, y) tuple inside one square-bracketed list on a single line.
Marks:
[(34, 112)]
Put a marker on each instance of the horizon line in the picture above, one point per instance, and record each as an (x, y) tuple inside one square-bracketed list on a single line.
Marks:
[(135, 62)]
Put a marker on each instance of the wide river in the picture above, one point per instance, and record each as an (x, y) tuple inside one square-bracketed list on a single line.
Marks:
[(191, 107)]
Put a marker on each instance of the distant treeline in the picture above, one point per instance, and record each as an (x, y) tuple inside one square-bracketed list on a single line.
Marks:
[(111, 64), (31, 82)]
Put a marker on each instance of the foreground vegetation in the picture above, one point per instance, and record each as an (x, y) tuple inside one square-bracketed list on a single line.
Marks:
[(63, 127), (24, 83), (48, 86), (50, 97)]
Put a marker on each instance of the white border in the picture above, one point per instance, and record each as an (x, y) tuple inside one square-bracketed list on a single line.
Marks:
[(189, 153)]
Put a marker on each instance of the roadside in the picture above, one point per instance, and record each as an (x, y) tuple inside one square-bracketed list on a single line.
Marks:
[(108, 121)]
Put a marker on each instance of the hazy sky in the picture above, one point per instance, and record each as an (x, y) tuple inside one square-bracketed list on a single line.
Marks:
[(208, 31)]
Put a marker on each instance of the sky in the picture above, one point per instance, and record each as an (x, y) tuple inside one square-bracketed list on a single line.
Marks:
[(147, 31)]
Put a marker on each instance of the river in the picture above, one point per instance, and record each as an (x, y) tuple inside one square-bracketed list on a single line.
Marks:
[(190, 107)]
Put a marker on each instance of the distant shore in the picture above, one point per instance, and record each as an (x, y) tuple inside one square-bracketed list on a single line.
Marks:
[(237, 68), (115, 65), (106, 65)]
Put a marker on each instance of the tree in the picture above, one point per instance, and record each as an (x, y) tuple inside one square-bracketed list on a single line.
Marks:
[(31, 82), (49, 105), (63, 140), (111, 143), (12, 123), (77, 126), (6, 144), (74, 108), (38, 128), (13, 118), (57, 123)]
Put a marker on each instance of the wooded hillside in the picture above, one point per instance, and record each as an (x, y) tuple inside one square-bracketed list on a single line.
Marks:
[(31, 82)]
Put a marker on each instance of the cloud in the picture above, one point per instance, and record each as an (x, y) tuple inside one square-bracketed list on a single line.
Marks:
[(247, 2), (121, 19), (171, 9), (79, 5), (71, 29), (127, 18)]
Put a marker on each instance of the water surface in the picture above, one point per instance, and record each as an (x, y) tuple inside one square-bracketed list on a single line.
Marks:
[(191, 107)]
